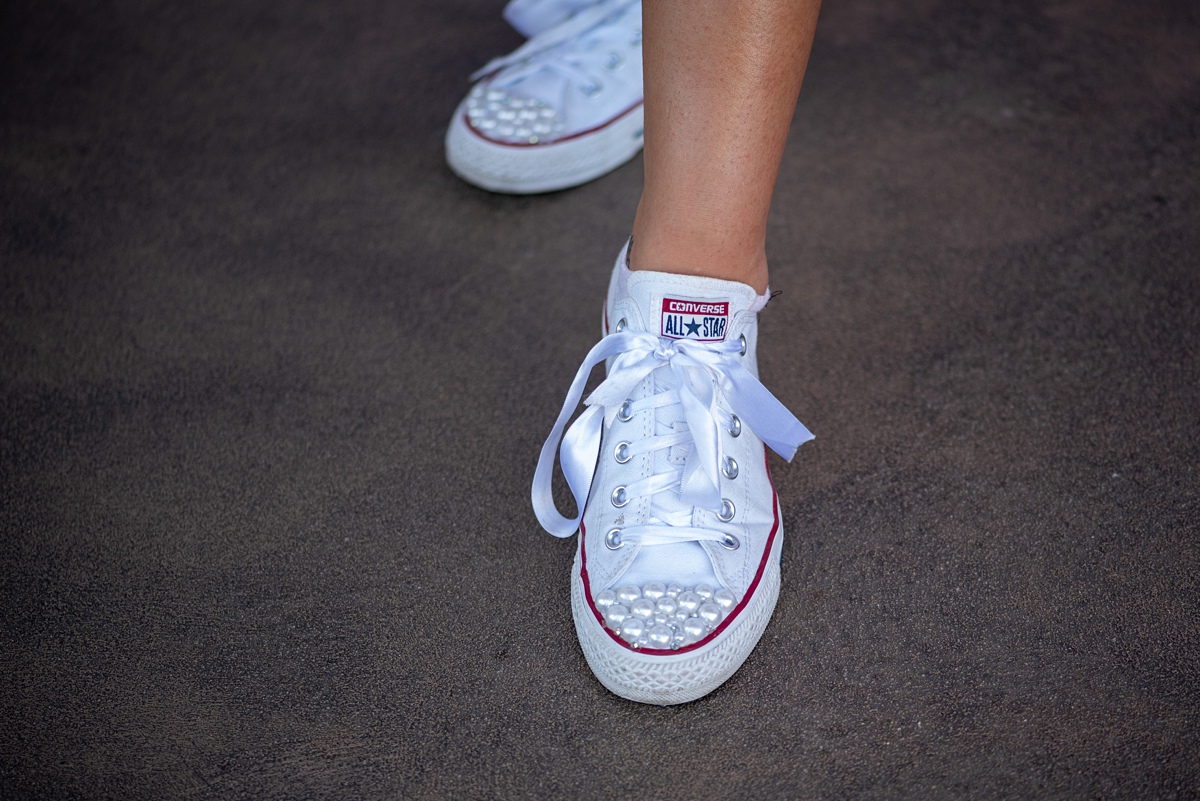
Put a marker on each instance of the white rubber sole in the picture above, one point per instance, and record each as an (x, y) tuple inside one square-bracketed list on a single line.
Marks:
[(676, 678), (530, 169)]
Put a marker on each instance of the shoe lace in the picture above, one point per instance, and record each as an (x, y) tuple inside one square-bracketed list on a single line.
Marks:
[(690, 376), (605, 33)]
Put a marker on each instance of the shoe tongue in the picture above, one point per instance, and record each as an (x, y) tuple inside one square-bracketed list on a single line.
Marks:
[(687, 306), (697, 309)]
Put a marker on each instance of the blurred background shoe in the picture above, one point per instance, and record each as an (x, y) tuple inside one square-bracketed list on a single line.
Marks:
[(561, 110)]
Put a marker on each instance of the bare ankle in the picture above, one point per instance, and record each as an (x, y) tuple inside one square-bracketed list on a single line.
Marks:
[(698, 256)]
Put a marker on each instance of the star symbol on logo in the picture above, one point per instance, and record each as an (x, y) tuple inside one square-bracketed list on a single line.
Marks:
[(693, 327)]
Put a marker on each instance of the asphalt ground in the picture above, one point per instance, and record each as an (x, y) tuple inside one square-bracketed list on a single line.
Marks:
[(273, 384)]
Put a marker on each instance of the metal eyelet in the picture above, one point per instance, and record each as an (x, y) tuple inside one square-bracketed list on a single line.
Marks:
[(613, 541), (620, 326), (735, 427), (615, 61), (592, 89), (727, 510), (742, 340), (730, 468), (625, 414), (730, 542), (622, 454), (620, 497)]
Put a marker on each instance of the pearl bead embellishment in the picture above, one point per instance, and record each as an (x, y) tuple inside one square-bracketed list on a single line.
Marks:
[(642, 607), (510, 118), (724, 598), (662, 616), (688, 601), (628, 594), (615, 615), (633, 629)]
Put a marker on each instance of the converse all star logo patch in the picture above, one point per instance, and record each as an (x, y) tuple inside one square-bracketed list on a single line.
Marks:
[(697, 320)]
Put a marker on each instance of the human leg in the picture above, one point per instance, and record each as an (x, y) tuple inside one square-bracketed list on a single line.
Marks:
[(721, 81), (680, 531)]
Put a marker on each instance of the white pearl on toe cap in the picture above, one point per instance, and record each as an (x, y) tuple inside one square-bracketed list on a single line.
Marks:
[(659, 616), (642, 607), (605, 599), (660, 637), (510, 118), (688, 601), (615, 615), (632, 629), (628, 594), (710, 613)]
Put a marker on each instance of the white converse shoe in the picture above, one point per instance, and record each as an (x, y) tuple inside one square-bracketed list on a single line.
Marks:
[(677, 570), (531, 17), (564, 108)]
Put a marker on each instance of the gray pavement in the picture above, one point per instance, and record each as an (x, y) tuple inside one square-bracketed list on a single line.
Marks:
[(273, 384)]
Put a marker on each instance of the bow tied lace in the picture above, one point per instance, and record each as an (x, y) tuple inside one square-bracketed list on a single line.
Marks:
[(699, 374)]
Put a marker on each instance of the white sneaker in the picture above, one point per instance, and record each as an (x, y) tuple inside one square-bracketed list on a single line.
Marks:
[(531, 17), (677, 570), (564, 108)]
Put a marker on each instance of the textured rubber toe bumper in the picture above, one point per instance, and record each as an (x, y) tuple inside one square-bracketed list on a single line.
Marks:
[(525, 169), (665, 679)]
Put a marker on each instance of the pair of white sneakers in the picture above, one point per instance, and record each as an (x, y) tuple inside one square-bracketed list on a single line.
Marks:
[(680, 535)]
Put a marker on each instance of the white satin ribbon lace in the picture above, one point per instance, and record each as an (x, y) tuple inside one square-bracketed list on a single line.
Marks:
[(565, 31), (699, 373)]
